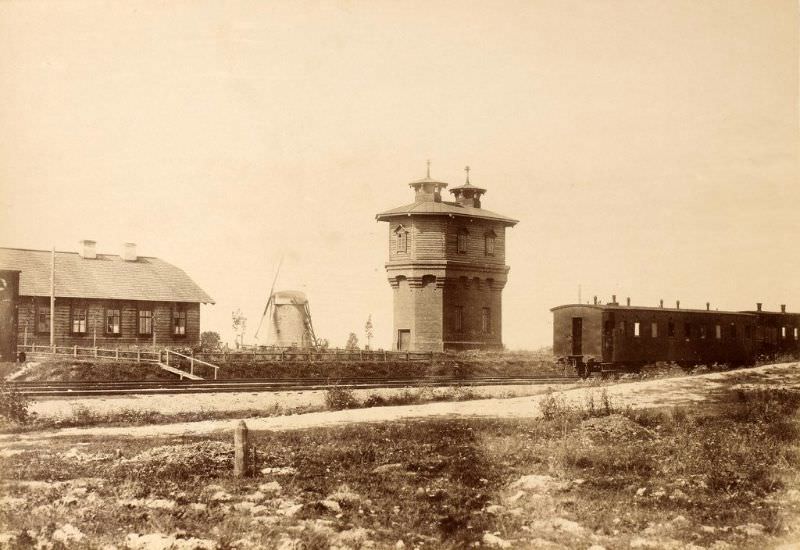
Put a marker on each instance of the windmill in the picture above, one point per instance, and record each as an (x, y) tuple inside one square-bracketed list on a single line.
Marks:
[(289, 318)]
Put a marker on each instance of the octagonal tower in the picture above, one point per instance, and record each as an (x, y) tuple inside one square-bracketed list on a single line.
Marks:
[(447, 269)]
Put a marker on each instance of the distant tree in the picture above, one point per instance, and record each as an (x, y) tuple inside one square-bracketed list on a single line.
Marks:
[(323, 344), (369, 332), (352, 342), (239, 326), (209, 341)]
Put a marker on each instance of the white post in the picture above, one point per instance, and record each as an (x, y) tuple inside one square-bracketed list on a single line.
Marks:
[(25, 336), (74, 351)]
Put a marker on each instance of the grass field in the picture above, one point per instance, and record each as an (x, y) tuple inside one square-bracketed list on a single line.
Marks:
[(721, 476)]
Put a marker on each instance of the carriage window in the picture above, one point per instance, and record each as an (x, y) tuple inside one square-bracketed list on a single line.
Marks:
[(796, 333), (702, 331), (718, 331), (671, 329), (637, 328), (623, 328), (687, 330), (783, 333), (654, 329), (748, 331), (733, 331)]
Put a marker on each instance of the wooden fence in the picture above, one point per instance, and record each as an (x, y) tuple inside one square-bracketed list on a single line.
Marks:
[(312, 356), (75, 352)]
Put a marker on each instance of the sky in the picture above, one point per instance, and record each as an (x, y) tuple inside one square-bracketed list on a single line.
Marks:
[(649, 148)]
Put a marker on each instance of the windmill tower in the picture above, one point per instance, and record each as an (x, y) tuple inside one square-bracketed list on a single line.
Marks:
[(288, 319)]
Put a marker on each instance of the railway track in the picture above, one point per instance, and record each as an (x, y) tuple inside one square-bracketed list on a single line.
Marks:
[(83, 389)]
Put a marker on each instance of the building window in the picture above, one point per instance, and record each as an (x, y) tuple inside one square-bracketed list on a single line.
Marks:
[(145, 321), (458, 318), (462, 241), (113, 325), (486, 321), (488, 241), (671, 329), (637, 328), (718, 331), (43, 319), (402, 239), (179, 322), (78, 324), (654, 329)]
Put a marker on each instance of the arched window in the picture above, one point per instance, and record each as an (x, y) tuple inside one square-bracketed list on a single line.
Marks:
[(401, 236), (488, 243), (463, 234), (428, 280)]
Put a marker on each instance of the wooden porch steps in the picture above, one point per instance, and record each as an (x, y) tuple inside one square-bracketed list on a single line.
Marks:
[(179, 372)]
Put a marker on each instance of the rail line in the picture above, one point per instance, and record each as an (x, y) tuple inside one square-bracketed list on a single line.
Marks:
[(157, 387)]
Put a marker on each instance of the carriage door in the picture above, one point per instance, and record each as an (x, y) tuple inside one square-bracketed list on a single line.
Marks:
[(577, 336), (403, 340)]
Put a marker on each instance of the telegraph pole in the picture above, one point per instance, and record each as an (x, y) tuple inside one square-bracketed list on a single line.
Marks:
[(53, 298)]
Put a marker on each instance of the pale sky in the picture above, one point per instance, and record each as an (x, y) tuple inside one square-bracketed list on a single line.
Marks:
[(649, 148)]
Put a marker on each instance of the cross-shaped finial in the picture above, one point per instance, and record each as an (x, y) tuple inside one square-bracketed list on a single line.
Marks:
[(429, 168), (467, 171)]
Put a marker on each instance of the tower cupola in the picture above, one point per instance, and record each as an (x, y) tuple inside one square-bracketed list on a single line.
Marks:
[(468, 195), (427, 189)]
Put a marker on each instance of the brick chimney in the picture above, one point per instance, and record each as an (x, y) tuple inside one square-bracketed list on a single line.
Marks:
[(87, 249), (661, 303), (677, 304), (758, 306), (628, 300), (708, 306), (129, 252), (783, 308), (595, 300), (614, 300)]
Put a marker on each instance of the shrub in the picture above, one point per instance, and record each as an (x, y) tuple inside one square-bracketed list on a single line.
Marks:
[(338, 398), (553, 406), (14, 405)]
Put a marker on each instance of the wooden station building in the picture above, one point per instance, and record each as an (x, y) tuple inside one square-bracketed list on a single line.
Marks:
[(103, 300), (447, 269)]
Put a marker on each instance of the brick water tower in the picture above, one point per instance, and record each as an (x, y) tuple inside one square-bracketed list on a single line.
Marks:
[(447, 269)]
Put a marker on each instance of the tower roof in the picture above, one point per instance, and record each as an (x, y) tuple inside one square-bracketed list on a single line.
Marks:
[(431, 208)]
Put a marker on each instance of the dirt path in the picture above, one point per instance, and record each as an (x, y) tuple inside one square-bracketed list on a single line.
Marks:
[(647, 394)]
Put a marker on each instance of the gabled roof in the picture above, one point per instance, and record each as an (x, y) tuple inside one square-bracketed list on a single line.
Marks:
[(106, 277), (446, 208)]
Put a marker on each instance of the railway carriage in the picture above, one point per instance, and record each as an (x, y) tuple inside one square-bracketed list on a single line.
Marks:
[(614, 337)]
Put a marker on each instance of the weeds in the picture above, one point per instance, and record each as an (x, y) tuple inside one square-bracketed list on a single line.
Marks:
[(14, 405)]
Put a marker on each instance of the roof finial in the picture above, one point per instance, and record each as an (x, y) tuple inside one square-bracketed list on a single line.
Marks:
[(429, 168), (466, 169)]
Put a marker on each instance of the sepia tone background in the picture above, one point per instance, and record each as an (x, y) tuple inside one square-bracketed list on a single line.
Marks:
[(649, 148)]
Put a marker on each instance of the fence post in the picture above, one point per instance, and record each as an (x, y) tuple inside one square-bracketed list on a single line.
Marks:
[(138, 355), (54, 349), (95, 351), (168, 360), (408, 356), (384, 356), (240, 450), (191, 364), (74, 351), (116, 354)]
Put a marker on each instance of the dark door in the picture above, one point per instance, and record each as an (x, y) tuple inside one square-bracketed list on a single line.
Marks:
[(577, 336), (403, 340)]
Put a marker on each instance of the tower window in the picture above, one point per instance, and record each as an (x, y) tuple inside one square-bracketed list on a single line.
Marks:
[(458, 318), (462, 241), (401, 236), (488, 241), (486, 321)]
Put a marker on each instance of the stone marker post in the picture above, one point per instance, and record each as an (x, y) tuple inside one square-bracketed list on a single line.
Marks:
[(240, 448)]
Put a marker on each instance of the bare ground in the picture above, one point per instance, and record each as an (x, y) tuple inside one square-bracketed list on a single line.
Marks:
[(668, 392)]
